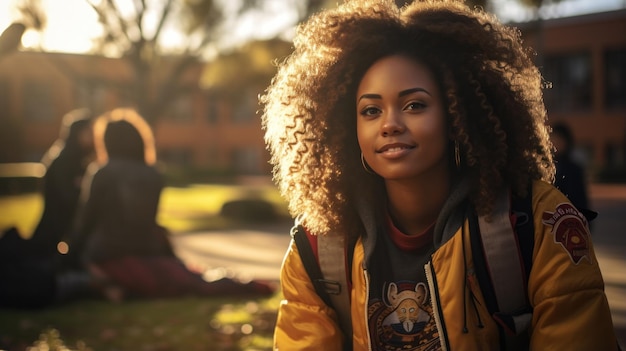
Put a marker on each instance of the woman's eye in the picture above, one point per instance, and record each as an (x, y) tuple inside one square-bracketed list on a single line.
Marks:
[(415, 106), (370, 111)]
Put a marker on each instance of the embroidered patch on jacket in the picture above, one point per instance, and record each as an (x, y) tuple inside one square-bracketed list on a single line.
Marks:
[(570, 230)]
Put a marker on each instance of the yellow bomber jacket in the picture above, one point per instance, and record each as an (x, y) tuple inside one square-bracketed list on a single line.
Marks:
[(565, 288)]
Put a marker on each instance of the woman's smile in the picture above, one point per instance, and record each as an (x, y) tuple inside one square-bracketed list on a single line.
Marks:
[(395, 150)]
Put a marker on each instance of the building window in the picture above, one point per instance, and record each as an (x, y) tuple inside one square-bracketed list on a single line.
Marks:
[(176, 156), (246, 160), (614, 155), (615, 78), (570, 78), (212, 114), (181, 109), (92, 95), (244, 109), (38, 102)]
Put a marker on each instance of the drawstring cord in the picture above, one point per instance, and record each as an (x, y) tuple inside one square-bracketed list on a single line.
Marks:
[(465, 330), (473, 297), (474, 301)]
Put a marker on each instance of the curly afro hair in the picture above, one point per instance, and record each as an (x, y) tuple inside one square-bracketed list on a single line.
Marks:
[(492, 93)]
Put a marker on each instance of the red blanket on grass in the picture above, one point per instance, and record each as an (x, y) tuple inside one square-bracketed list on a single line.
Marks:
[(167, 276)]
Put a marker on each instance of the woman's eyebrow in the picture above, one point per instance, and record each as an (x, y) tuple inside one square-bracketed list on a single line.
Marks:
[(412, 90), (370, 96), (400, 94)]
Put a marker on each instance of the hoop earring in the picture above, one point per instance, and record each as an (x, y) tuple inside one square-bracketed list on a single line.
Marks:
[(457, 155), (367, 168)]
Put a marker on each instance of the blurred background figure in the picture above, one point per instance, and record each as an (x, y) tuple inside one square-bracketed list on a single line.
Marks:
[(121, 191), (30, 268), (570, 175), (66, 162), (117, 238)]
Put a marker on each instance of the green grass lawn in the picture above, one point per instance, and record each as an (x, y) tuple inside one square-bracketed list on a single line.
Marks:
[(163, 325), (181, 208), (172, 324)]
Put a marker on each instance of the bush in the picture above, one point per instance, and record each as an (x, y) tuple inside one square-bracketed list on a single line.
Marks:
[(249, 210)]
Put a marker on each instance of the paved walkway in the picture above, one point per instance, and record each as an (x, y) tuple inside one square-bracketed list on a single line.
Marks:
[(254, 252), (257, 252), (609, 238)]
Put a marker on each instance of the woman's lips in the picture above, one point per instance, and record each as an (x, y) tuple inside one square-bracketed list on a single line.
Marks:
[(392, 151)]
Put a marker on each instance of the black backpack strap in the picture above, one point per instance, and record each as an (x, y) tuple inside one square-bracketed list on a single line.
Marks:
[(522, 208), (310, 263), (512, 314), (334, 292)]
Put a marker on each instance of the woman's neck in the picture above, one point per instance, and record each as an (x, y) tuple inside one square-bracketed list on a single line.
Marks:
[(415, 205)]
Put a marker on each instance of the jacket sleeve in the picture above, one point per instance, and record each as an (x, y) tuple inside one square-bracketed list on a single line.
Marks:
[(566, 288), (304, 321)]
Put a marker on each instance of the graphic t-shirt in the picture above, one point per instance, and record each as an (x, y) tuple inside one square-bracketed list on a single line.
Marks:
[(399, 309)]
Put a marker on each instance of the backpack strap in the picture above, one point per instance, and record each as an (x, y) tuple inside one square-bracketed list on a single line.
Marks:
[(309, 260), (500, 246), (328, 273), (504, 248), (334, 266)]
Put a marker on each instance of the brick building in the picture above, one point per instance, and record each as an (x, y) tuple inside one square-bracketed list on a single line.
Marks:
[(584, 59), (215, 124), (206, 127)]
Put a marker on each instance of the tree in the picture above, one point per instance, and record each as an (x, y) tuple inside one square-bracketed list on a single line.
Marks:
[(134, 31), (129, 35)]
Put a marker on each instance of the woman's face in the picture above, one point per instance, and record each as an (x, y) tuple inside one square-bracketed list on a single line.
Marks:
[(401, 125)]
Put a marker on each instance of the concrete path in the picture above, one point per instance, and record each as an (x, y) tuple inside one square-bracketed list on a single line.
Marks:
[(609, 238), (254, 252), (257, 252)]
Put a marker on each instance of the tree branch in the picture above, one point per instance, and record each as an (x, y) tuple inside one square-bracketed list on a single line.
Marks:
[(120, 19), (166, 11)]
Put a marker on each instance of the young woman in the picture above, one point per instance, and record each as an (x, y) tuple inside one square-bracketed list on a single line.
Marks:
[(397, 129)]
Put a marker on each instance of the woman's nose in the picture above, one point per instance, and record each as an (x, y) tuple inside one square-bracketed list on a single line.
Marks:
[(392, 124)]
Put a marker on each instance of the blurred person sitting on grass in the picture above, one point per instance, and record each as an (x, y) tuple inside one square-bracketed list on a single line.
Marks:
[(117, 238), (66, 162), (30, 269)]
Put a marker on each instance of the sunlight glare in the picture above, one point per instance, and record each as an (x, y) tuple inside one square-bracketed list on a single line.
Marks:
[(71, 26), (31, 39)]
